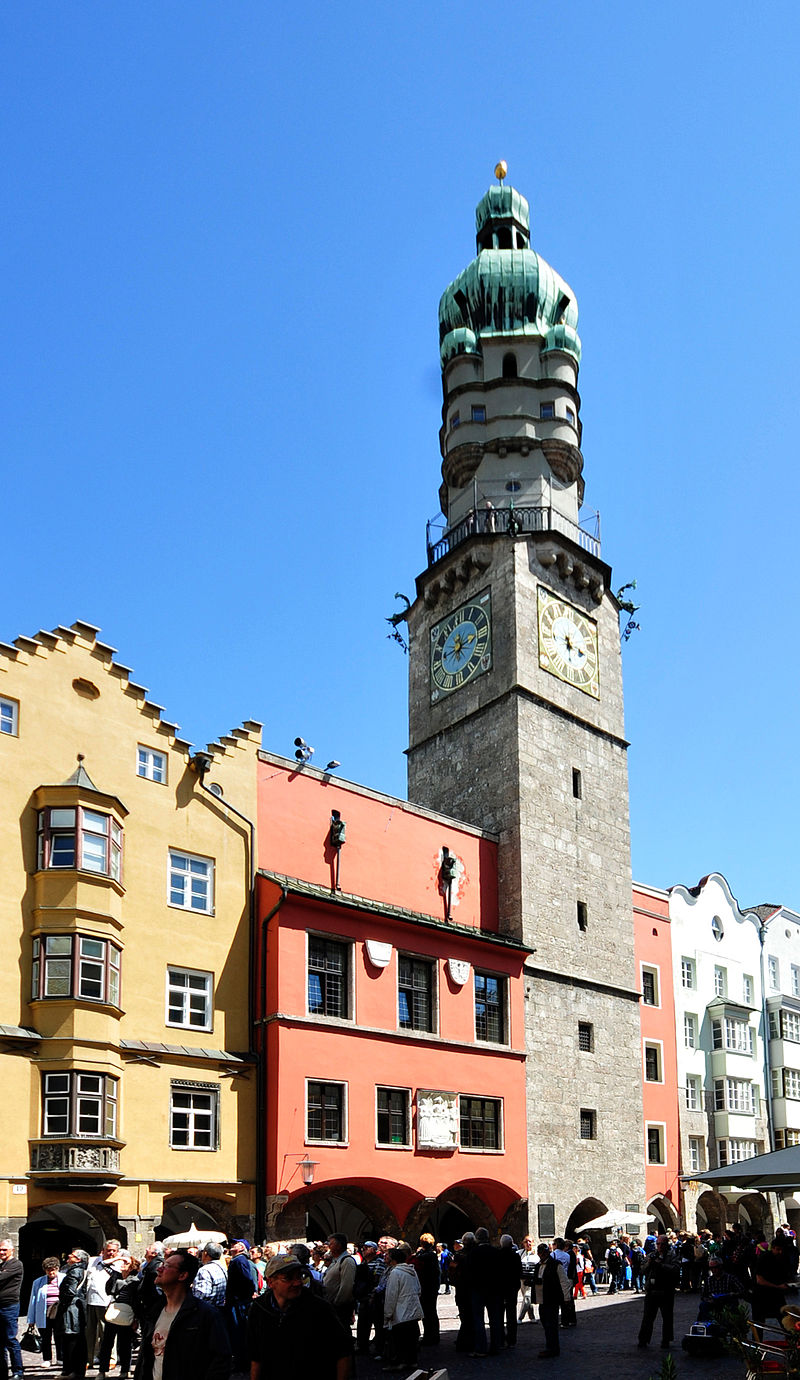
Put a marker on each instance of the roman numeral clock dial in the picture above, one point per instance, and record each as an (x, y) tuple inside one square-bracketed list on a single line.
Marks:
[(461, 646), (568, 644)]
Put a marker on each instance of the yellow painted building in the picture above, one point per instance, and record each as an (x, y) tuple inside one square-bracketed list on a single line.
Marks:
[(129, 1086)]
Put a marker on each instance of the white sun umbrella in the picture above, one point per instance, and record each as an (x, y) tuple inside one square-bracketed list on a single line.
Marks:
[(617, 1219), (193, 1236)]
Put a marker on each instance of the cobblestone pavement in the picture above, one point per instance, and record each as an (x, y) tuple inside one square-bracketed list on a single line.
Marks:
[(601, 1347)]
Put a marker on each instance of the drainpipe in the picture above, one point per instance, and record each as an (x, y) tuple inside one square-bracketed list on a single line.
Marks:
[(762, 934), (261, 1094), (201, 764)]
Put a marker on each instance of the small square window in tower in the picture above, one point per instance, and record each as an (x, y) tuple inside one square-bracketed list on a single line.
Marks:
[(586, 1037), (588, 1124)]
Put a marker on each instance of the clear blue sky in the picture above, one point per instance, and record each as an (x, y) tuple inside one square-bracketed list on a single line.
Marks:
[(227, 228)]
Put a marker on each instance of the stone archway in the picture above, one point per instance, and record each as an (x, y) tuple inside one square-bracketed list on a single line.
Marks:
[(712, 1211), (58, 1229), (457, 1205), (180, 1213), (347, 1208), (586, 1211), (664, 1213), (754, 1214)]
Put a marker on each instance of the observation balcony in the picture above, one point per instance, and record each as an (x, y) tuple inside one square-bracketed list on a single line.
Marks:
[(511, 522)]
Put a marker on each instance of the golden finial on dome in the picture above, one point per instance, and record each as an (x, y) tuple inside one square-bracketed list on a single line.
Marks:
[(501, 170)]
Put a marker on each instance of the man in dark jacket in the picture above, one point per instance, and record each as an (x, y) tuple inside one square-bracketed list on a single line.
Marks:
[(486, 1292), (71, 1316), (242, 1287), (187, 1339), (661, 1274), (291, 1331), (10, 1285), (426, 1264), (550, 1288), (510, 1281)]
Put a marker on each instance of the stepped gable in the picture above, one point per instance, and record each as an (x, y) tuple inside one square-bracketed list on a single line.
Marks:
[(85, 635)]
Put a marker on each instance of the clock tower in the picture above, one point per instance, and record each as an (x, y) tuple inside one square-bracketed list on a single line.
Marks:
[(516, 709)]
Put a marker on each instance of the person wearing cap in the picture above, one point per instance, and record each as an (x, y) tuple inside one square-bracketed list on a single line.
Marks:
[(211, 1281), (289, 1328)]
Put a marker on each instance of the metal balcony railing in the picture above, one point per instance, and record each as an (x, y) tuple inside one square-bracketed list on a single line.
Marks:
[(513, 522)]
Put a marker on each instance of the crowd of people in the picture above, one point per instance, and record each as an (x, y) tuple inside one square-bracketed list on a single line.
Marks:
[(207, 1313)]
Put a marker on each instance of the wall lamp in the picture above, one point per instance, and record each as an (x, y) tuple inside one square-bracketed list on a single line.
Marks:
[(307, 1168)]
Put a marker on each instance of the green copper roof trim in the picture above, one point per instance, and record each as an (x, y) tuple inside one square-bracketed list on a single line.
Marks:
[(461, 341), (502, 203), (511, 292)]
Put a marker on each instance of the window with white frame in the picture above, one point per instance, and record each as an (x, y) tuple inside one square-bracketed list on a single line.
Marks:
[(690, 1030), (150, 764), (326, 1112), (481, 1123), (78, 966), (733, 1151), (735, 1095), (789, 1026), (688, 973), (76, 837), (193, 1115), (795, 980), (650, 988), (774, 974), (9, 717), (791, 1083), (655, 1144), (190, 996), (696, 1156), (652, 1062), (393, 1116), (190, 882), (78, 1105), (720, 981), (734, 1035), (693, 1092), (748, 988)]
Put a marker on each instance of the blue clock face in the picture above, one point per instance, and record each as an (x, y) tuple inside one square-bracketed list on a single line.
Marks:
[(461, 647)]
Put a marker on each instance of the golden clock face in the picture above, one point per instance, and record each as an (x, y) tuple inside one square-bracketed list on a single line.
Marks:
[(568, 644), (461, 646)]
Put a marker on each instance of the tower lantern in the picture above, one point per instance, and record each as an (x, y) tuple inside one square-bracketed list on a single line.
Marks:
[(510, 352)]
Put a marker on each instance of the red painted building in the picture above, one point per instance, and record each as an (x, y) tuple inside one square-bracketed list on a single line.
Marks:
[(653, 948), (390, 1016)]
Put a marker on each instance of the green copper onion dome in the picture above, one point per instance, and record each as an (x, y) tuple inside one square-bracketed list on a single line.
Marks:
[(508, 289)]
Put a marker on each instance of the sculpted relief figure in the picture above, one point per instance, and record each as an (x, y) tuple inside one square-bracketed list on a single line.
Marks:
[(437, 1120)]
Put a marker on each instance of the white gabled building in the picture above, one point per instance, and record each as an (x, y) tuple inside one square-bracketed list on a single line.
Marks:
[(780, 932), (718, 1019), (736, 979)]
